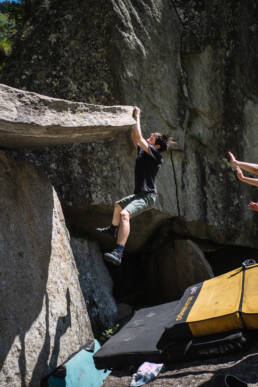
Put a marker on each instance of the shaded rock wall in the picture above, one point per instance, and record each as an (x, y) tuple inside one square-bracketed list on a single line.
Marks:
[(96, 285), (171, 266), (43, 315)]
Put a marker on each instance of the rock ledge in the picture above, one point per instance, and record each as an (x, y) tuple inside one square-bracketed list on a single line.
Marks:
[(30, 119)]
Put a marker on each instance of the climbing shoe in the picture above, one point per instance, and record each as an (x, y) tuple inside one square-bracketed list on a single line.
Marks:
[(109, 230), (113, 257)]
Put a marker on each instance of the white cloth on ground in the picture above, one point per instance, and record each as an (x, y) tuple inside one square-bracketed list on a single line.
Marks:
[(145, 373)]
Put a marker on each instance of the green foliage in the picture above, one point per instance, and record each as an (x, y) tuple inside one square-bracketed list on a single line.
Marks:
[(6, 46), (11, 18), (14, 10), (7, 26), (108, 333)]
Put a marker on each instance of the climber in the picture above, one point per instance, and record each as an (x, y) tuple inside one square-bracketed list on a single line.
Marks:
[(253, 168), (148, 161)]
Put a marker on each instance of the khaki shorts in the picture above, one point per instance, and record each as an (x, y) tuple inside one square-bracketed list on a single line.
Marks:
[(137, 203)]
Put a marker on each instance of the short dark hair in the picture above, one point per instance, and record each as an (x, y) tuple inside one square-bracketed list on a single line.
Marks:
[(163, 140)]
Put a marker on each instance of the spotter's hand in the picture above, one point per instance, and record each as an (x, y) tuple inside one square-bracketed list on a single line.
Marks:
[(239, 173), (233, 160)]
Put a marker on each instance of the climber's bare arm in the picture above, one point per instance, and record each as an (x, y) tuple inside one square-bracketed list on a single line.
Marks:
[(133, 138), (253, 206), (253, 168), (244, 179), (137, 133)]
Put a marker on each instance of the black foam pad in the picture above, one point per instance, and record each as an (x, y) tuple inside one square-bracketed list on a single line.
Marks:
[(137, 341)]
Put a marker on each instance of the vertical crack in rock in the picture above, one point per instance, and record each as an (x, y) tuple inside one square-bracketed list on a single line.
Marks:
[(177, 12), (184, 117), (174, 174)]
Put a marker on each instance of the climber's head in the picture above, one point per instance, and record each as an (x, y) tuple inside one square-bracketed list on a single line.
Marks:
[(160, 141)]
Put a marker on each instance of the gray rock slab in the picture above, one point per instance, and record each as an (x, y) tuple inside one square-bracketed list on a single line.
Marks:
[(30, 119), (96, 284), (43, 316)]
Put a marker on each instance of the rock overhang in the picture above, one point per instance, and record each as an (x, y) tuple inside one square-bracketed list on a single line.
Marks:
[(29, 119)]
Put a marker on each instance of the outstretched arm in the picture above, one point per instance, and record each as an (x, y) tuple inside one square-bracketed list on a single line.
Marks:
[(253, 168), (244, 179), (137, 133)]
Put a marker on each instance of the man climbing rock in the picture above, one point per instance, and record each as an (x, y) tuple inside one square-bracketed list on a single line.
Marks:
[(148, 161), (252, 168)]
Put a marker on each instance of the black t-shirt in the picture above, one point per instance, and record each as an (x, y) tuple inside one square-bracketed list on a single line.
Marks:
[(146, 168)]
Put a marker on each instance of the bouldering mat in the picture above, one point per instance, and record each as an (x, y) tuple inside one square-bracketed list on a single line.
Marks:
[(136, 342), (222, 304)]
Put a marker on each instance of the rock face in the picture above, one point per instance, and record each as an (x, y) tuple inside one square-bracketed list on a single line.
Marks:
[(96, 284), (189, 68), (30, 119), (90, 178), (43, 314)]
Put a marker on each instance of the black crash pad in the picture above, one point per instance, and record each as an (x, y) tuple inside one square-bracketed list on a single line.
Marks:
[(136, 341)]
